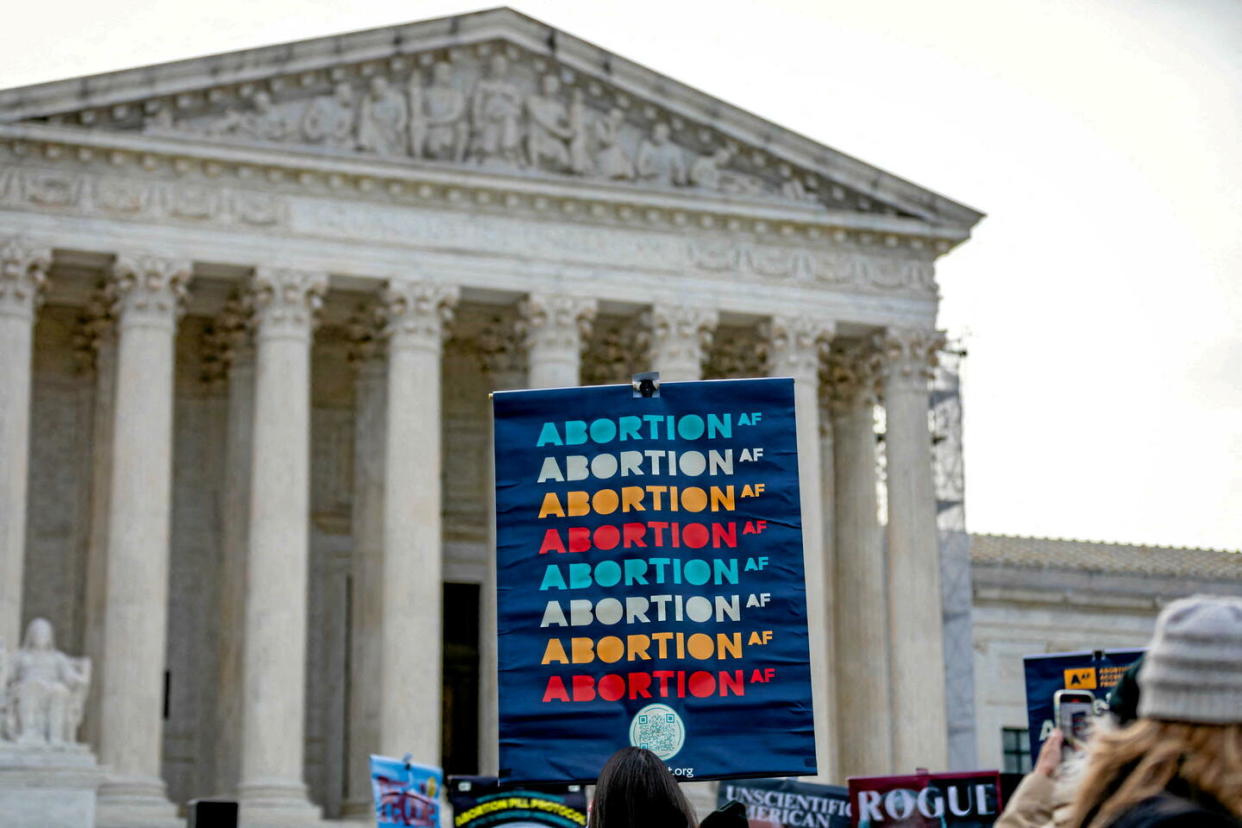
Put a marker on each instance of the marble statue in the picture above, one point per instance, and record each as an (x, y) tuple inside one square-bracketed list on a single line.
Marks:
[(579, 135), (495, 112), (548, 132), (612, 160), (266, 123), (418, 121), (444, 116), (329, 119), (382, 118), (45, 690), (705, 171), (660, 160), (792, 187)]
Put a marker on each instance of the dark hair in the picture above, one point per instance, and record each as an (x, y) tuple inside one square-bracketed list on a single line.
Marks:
[(635, 790)]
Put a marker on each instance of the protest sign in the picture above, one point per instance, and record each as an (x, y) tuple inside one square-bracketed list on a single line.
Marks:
[(926, 800), (1094, 671), (405, 793), (480, 802), (786, 803), (650, 587)]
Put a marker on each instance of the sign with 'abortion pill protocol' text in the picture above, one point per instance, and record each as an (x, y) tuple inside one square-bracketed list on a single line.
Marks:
[(650, 586)]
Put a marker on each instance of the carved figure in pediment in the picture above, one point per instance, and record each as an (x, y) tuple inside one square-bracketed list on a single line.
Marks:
[(444, 114), (329, 119), (705, 171), (793, 188), (496, 113), (660, 160), (580, 135), (45, 691), (418, 121), (266, 123), (382, 119), (548, 133), (612, 161)]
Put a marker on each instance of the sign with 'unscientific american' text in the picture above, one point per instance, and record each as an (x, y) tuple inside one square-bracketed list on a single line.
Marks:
[(650, 587)]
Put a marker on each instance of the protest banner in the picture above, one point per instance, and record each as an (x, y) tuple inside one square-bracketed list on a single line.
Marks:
[(650, 586), (787, 803), (926, 800), (406, 794), (1094, 671), (481, 802)]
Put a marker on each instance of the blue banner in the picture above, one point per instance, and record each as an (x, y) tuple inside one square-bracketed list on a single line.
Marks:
[(788, 803), (1094, 671), (480, 802), (405, 794), (650, 587)]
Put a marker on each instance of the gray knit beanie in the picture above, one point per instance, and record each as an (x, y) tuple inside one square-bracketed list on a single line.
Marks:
[(1193, 668)]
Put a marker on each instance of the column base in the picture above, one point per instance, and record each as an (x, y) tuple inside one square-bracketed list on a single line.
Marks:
[(134, 802), (275, 803), (47, 786)]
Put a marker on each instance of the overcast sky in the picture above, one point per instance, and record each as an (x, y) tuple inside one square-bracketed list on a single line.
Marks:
[(1101, 299)]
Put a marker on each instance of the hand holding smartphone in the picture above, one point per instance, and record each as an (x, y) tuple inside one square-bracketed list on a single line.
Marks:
[(1073, 710)]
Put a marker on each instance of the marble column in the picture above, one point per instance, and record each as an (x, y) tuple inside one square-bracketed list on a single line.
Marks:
[(367, 529), (411, 583), (97, 349), (146, 293), (861, 622), (916, 646), (23, 272), (504, 363), (274, 650), (237, 356), (795, 344), (679, 337), (555, 328)]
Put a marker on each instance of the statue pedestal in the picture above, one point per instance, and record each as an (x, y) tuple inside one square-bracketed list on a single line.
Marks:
[(47, 786)]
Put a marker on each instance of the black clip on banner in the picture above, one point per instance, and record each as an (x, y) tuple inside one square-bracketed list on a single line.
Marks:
[(646, 384)]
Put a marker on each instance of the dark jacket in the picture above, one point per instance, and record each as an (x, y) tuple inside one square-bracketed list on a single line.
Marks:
[(1170, 811)]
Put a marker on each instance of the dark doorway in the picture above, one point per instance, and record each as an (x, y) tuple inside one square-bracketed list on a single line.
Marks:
[(460, 721)]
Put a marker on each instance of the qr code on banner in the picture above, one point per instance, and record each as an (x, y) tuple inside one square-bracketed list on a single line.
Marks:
[(659, 729)]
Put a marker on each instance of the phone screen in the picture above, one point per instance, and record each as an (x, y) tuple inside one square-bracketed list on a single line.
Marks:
[(1074, 720)]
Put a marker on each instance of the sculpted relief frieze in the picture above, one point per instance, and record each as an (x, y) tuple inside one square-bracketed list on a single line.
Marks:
[(140, 198), (493, 106), (497, 230)]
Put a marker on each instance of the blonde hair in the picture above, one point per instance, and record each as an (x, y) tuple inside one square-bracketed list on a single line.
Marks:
[(1129, 765)]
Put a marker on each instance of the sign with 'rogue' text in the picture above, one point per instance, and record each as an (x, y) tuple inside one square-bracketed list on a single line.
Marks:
[(927, 800), (650, 587)]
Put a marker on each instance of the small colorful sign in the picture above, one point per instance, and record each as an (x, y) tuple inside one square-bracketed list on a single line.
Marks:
[(927, 800), (1094, 671), (406, 794), (480, 802), (650, 587), (787, 803)]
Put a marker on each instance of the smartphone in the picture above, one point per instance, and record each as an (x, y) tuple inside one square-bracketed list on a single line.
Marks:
[(1073, 710)]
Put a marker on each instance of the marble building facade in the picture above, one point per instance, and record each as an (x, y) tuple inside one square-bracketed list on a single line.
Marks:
[(252, 305)]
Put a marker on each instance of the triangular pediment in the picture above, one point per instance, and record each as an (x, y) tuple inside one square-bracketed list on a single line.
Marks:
[(492, 90)]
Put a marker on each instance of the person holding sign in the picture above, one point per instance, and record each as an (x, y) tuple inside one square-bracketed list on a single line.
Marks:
[(1181, 762)]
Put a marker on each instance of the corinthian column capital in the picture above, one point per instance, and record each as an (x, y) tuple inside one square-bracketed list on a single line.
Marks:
[(679, 336), (23, 275), (909, 355), (285, 301), (146, 288), (556, 321), (416, 314), (796, 343), (851, 376)]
